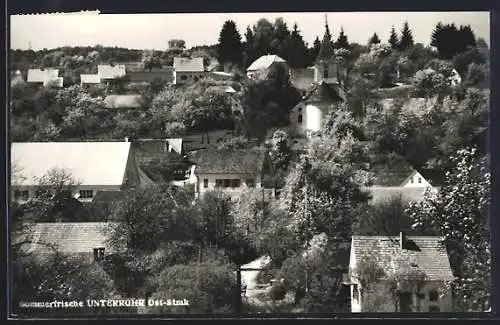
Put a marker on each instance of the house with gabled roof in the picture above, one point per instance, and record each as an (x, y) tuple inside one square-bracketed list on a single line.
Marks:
[(94, 166), (229, 170), (397, 178), (188, 70), (45, 77), (110, 72), (399, 274), (262, 65), (87, 240), (307, 116)]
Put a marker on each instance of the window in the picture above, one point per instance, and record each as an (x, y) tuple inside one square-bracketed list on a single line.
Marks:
[(405, 302), (277, 193), (434, 309), (98, 254), (250, 182), (433, 295), (411, 180), (219, 182), (325, 73), (196, 78), (21, 195), (355, 292), (300, 109), (86, 194), (419, 180), (235, 183), (227, 183), (205, 183), (184, 78), (299, 119)]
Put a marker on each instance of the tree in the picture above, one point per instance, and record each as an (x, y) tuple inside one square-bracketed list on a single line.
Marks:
[(476, 76), (281, 36), (59, 278), (176, 44), (229, 48), (250, 52), (342, 42), (322, 190), (450, 40), (150, 216), (406, 37), (208, 286), (314, 51), (374, 39), (368, 274), (429, 83), (150, 60), (164, 167), (268, 102), (459, 212), (263, 36), (462, 60), (53, 199), (296, 50), (215, 221), (386, 218), (394, 39)]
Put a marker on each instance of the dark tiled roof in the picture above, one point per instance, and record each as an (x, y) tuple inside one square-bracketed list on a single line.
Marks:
[(155, 146), (384, 193), (69, 238), (203, 140), (166, 74), (435, 177), (430, 257), (228, 161), (387, 177), (324, 93), (107, 196)]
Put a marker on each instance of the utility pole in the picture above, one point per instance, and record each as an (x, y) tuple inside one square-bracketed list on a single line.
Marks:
[(238, 290)]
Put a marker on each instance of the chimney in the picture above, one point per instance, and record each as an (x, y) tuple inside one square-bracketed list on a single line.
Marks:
[(126, 139), (402, 240)]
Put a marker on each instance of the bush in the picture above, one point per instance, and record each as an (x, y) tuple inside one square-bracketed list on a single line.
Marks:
[(209, 286), (267, 274), (278, 291)]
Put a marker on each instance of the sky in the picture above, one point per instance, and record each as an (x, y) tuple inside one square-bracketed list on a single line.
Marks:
[(152, 31)]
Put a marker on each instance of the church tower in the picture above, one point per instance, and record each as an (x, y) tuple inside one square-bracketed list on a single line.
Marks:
[(326, 65)]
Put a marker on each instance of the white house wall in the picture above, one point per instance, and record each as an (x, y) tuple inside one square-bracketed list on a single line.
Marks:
[(413, 181), (386, 303), (200, 189)]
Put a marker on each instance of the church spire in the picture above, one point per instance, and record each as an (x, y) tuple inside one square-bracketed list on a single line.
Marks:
[(326, 51)]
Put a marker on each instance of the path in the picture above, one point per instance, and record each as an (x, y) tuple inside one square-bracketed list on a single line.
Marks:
[(254, 294)]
